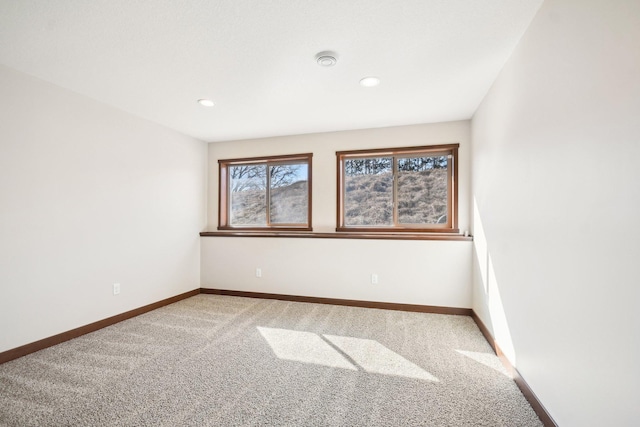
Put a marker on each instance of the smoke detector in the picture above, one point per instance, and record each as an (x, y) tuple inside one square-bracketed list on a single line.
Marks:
[(327, 58)]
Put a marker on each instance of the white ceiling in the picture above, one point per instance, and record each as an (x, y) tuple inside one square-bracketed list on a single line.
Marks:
[(255, 59)]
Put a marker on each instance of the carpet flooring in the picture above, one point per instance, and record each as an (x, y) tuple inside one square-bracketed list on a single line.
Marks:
[(215, 360)]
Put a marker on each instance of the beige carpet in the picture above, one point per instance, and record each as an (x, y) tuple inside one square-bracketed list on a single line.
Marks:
[(227, 361)]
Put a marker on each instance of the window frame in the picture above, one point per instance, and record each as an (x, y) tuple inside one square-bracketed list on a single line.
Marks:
[(450, 150), (224, 205)]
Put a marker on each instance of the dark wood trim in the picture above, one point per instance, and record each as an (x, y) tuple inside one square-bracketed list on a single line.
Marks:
[(339, 192), (527, 392), (309, 191), (454, 198), (346, 302), (533, 400), (17, 352), (265, 159), (485, 331), (398, 229), (223, 191), (266, 230), (449, 150), (222, 201), (360, 235), (399, 150)]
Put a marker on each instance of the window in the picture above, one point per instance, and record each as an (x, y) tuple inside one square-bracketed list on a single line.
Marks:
[(265, 193), (401, 189)]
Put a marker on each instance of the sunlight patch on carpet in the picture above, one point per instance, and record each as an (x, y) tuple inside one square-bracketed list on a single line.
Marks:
[(486, 359), (376, 358), (341, 352), (303, 347)]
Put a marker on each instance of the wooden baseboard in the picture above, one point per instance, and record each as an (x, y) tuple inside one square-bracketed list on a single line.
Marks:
[(17, 352), (528, 393), (347, 302)]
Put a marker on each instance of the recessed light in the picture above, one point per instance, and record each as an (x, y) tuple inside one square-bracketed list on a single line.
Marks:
[(370, 81), (326, 58), (205, 102)]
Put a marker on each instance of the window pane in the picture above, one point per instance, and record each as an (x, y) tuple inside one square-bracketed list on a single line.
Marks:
[(368, 191), (248, 189), (422, 190), (289, 193)]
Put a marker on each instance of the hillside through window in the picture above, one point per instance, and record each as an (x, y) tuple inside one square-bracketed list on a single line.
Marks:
[(401, 189), (266, 193)]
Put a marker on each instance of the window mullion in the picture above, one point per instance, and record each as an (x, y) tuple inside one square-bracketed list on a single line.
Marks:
[(229, 200), (451, 217), (268, 195), (394, 170)]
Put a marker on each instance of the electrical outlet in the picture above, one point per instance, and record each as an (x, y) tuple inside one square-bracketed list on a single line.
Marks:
[(116, 288), (374, 279), (258, 272)]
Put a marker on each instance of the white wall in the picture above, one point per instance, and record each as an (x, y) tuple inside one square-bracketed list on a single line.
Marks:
[(90, 196), (409, 272), (424, 272), (556, 187), (324, 147)]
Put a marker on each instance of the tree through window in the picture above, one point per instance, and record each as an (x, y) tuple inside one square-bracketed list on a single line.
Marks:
[(268, 192), (402, 189)]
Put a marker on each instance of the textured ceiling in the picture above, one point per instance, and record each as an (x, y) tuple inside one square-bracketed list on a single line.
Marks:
[(255, 59)]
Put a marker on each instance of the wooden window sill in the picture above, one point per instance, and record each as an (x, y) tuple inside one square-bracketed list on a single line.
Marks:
[(340, 235)]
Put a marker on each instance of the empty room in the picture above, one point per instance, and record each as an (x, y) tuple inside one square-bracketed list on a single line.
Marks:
[(320, 213)]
